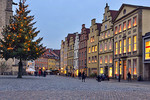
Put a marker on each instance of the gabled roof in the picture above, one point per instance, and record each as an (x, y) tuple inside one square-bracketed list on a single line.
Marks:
[(136, 7)]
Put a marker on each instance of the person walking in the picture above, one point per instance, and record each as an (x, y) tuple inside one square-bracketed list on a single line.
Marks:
[(39, 73), (45, 73), (79, 75), (83, 77), (129, 76), (99, 78)]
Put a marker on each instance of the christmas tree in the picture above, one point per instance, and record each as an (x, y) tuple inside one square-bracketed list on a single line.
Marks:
[(19, 38)]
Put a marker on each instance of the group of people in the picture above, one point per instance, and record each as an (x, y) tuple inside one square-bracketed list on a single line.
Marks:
[(41, 73), (82, 75)]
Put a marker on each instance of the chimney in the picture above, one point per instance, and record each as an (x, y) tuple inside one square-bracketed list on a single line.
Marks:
[(83, 25)]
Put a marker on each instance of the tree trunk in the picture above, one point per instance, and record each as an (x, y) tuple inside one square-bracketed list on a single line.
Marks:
[(20, 69)]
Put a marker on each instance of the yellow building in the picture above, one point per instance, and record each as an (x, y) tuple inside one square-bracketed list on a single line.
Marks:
[(92, 48), (131, 23), (51, 64), (106, 43)]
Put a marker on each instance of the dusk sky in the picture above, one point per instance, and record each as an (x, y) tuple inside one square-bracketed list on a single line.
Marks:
[(56, 18)]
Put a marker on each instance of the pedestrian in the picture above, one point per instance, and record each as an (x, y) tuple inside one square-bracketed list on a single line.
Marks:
[(79, 75), (45, 73), (99, 78), (83, 77), (39, 73), (129, 76)]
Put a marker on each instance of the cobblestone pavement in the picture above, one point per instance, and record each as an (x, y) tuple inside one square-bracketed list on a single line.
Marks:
[(66, 88)]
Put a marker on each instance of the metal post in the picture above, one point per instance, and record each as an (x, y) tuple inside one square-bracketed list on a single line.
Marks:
[(119, 70)]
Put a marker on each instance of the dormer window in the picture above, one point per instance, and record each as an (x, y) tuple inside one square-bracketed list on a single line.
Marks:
[(105, 26)]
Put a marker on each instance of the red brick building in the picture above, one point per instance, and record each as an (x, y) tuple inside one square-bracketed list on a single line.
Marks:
[(83, 48)]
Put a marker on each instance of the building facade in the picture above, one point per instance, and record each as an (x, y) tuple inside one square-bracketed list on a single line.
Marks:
[(106, 43), (92, 48), (83, 48), (70, 54), (131, 23), (76, 54)]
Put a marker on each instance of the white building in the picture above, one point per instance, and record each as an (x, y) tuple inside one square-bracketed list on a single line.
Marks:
[(76, 50)]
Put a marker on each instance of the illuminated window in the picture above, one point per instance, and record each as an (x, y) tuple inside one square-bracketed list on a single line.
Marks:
[(116, 48), (116, 30), (101, 60), (134, 21), (101, 71), (129, 23), (89, 60), (134, 67), (95, 58), (101, 48), (95, 48), (129, 65), (89, 50), (120, 51), (106, 59), (105, 46), (109, 33), (110, 45), (116, 67), (129, 49), (124, 44), (106, 35), (147, 50), (102, 36), (110, 59), (110, 71), (120, 68), (124, 26), (91, 39), (92, 59), (120, 30), (135, 43)]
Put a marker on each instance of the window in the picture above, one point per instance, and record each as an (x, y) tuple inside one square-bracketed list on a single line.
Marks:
[(135, 67), (89, 60), (120, 30), (101, 60), (129, 23), (110, 45), (129, 49), (91, 39), (116, 30), (89, 50), (147, 50), (124, 26), (92, 59), (116, 48), (105, 46), (120, 68), (120, 51), (95, 48), (105, 26), (108, 33), (110, 59), (101, 48), (129, 66), (105, 34), (134, 45), (101, 71), (102, 36), (106, 59), (105, 18), (95, 58), (124, 44), (110, 71), (116, 67), (92, 48), (134, 21)]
